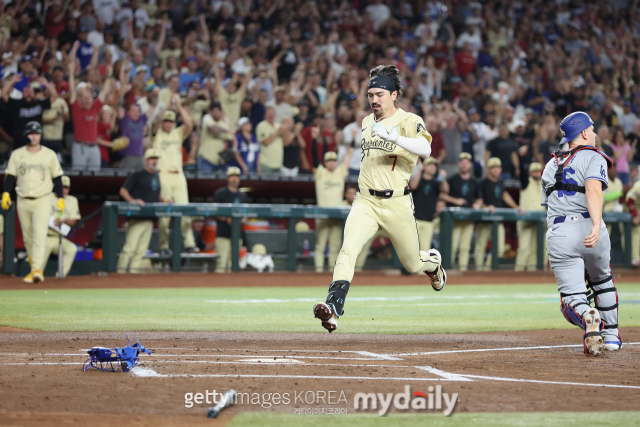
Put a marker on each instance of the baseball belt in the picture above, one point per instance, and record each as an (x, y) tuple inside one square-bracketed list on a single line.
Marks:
[(387, 194)]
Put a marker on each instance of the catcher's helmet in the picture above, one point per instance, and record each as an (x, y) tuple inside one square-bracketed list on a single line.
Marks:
[(573, 124)]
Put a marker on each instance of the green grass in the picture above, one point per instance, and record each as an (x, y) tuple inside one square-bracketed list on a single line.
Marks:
[(517, 419), (369, 309)]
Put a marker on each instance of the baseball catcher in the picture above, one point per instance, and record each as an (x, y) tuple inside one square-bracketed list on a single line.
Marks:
[(577, 239)]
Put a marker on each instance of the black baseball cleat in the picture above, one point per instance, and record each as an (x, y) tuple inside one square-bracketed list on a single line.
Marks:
[(438, 276), (326, 314)]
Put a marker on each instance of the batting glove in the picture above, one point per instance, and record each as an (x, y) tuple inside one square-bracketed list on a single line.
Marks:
[(380, 130), (60, 205), (6, 201)]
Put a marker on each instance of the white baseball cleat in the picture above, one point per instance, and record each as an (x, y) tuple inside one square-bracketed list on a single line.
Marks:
[(593, 342), (438, 276), (325, 313), (612, 345)]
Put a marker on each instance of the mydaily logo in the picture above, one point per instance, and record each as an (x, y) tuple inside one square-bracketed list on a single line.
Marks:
[(434, 399)]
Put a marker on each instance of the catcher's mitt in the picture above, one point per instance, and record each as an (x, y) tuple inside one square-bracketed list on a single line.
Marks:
[(120, 143)]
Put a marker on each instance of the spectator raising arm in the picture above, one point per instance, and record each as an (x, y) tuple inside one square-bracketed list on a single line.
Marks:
[(106, 86), (72, 82), (187, 125), (6, 90)]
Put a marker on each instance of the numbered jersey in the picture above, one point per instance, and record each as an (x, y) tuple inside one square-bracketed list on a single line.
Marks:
[(34, 172), (583, 166), (385, 165)]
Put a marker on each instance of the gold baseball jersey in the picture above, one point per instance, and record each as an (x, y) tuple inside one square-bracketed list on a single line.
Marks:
[(53, 131), (634, 194), (530, 197), (169, 148), (271, 155), (231, 103), (34, 172), (385, 165), (212, 144), (71, 209), (330, 186)]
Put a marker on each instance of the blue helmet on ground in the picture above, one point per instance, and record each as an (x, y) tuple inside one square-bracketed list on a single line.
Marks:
[(573, 124)]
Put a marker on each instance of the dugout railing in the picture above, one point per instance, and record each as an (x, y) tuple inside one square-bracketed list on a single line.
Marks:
[(112, 210), (449, 215)]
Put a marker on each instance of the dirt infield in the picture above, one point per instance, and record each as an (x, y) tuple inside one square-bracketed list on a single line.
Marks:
[(41, 376), (370, 278), (42, 383)]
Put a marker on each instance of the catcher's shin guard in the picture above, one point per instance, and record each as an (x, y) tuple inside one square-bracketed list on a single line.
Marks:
[(573, 308), (605, 295), (337, 294)]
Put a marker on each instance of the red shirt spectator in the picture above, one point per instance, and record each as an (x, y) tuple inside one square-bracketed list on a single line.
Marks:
[(51, 27), (62, 87), (466, 62), (85, 122), (104, 132), (325, 142), (437, 144), (440, 53)]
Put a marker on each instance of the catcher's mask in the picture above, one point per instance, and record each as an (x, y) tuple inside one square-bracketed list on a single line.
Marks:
[(110, 360)]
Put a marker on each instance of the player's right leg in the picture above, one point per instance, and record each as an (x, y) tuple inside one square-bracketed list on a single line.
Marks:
[(69, 251), (564, 243), (604, 293), (399, 222), (322, 232), (360, 227), (483, 234), (129, 247), (142, 235), (40, 211), (465, 245), (166, 192)]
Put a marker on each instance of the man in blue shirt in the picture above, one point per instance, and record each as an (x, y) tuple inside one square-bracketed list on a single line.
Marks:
[(85, 50), (26, 73), (192, 76)]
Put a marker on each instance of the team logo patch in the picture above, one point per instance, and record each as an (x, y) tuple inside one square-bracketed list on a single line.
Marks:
[(420, 128)]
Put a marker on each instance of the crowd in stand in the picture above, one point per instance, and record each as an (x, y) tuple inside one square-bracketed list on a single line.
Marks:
[(271, 86)]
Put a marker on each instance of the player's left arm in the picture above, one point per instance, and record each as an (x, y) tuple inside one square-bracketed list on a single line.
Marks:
[(444, 185), (595, 183), (595, 201), (417, 141), (506, 197)]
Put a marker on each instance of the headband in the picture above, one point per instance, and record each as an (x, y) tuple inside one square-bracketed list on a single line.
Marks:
[(382, 82)]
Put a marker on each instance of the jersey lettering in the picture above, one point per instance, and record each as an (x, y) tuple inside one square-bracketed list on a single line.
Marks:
[(567, 180)]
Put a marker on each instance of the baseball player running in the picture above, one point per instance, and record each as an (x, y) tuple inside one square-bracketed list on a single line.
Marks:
[(392, 141), (577, 238), (38, 172)]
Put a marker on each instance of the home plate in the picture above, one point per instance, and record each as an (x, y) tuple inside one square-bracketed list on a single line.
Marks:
[(271, 360)]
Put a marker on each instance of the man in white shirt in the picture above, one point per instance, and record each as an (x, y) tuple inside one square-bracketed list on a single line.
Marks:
[(282, 108), (106, 10), (96, 37), (484, 132), (628, 119), (473, 36), (352, 134), (379, 13), (131, 13)]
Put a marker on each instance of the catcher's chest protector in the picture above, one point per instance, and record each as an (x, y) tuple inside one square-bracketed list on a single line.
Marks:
[(563, 158)]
